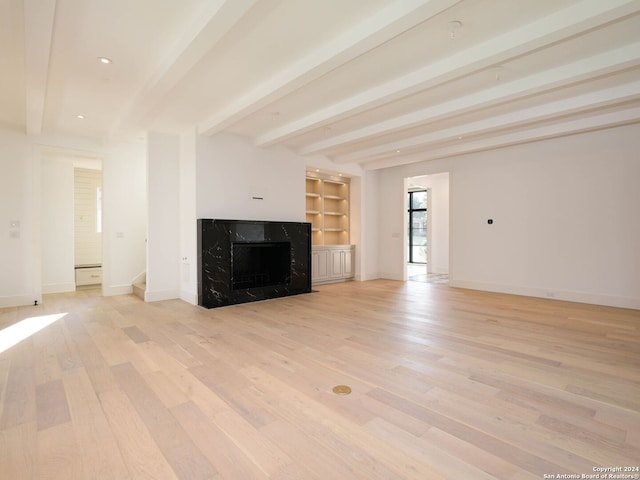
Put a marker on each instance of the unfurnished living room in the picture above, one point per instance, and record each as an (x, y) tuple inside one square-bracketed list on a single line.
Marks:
[(301, 239)]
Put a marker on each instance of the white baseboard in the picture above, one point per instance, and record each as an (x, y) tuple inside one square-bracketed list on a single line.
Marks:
[(17, 301), (391, 276), (59, 288), (162, 295), (366, 276), (111, 290), (579, 297), (189, 297), (440, 270)]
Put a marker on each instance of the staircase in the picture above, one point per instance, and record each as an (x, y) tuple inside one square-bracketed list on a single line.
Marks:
[(139, 285), (139, 289)]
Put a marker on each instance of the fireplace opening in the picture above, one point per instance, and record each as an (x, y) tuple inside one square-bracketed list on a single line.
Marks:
[(260, 264)]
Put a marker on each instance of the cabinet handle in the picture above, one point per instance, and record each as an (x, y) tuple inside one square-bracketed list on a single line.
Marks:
[(95, 276)]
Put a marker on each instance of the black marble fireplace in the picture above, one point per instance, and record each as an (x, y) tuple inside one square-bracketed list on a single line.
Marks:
[(243, 261)]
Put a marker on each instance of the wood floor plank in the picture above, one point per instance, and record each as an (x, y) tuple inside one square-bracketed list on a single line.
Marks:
[(102, 458), (46, 366), (367, 455), (316, 460), (51, 404), (228, 458), (88, 355), (184, 457), (135, 334), (56, 458), (18, 451), (19, 400), (480, 458), (445, 464), (165, 389), (498, 446), (4, 376), (446, 383), (264, 453), (141, 454)]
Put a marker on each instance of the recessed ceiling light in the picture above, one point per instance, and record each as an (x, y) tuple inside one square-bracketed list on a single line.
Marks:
[(317, 169), (397, 151), (81, 117), (104, 60)]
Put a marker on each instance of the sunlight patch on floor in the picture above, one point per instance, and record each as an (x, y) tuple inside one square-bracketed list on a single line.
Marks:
[(14, 334)]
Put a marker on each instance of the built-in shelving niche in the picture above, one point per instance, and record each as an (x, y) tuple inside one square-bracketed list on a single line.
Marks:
[(327, 208)]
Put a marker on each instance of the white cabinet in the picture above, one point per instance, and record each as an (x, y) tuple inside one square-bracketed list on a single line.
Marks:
[(332, 263), (319, 266), (88, 276)]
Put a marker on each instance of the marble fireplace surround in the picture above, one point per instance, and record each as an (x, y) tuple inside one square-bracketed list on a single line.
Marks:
[(256, 272)]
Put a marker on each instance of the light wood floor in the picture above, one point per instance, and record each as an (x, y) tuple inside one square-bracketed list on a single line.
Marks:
[(446, 383)]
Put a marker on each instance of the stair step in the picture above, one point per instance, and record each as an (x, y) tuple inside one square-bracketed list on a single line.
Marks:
[(139, 289)]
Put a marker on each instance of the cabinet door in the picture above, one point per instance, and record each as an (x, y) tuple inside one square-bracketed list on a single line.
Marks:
[(336, 263), (347, 263), (319, 266)]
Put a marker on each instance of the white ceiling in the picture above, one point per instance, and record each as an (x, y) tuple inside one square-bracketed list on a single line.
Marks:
[(377, 82)]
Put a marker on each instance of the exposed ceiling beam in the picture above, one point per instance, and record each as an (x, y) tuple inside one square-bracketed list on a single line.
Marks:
[(580, 70), (39, 17), (568, 106), (373, 31), (563, 24), (210, 25), (571, 127)]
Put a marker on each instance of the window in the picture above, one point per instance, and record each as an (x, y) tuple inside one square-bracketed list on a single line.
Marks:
[(417, 226)]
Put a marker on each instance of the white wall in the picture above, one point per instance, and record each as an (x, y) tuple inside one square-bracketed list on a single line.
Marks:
[(230, 171), (16, 204), (188, 219), (391, 215), (57, 225), (368, 252), (124, 216), (163, 247), (565, 211), (21, 200)]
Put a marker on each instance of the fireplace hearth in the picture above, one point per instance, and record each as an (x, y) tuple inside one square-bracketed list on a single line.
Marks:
[(243, 261)]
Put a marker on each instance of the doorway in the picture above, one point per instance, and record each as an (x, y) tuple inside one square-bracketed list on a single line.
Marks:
[(427, 232), (58, 209), (87, 227), (417, 226)]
